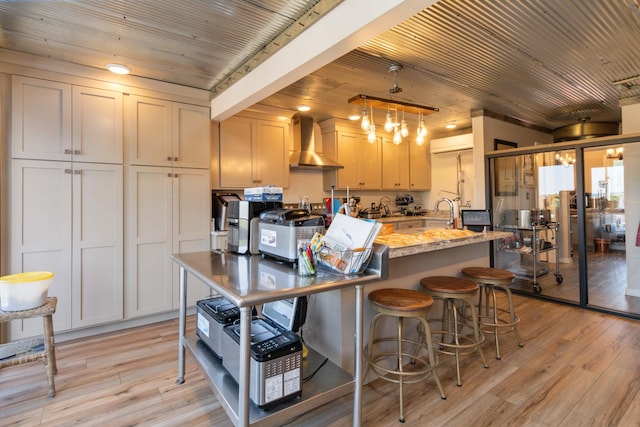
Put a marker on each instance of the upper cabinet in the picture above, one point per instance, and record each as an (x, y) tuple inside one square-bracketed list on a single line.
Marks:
[(253, 152), (395, 165), (165, 133), (348, 145), (419, 167), (59, 121)]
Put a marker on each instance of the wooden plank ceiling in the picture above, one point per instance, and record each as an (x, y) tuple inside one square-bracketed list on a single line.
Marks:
[(546, 62)]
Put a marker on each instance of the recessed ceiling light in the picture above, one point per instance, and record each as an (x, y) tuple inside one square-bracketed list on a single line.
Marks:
[(303, 108), (451, 124), (354, 117), (118, 68)]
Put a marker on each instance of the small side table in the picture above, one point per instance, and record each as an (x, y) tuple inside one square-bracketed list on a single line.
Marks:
[(18, 352)]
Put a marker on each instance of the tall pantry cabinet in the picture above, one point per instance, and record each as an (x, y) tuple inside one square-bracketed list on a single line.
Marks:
[(168, 200), (67, 198), (105, 186)]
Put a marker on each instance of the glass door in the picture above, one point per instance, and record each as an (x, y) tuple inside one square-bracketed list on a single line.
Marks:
[(573, 215), (534, 198), (606, 230)]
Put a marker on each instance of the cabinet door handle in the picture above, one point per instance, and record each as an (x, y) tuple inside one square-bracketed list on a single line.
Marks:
[(67, 171), (77, 171), (175, 159), (77, 152), (169, 158), (67, 151)]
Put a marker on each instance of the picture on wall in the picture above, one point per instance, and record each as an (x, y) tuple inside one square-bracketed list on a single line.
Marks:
[(506, 170)]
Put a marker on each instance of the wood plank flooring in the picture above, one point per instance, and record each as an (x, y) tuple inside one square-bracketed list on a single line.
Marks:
[(607, 283), (577, 368)]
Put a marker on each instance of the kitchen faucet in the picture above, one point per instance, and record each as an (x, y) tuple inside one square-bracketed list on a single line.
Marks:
[(450, 223)]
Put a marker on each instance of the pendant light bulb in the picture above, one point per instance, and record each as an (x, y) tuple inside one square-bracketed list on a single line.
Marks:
[(371, 136), (388, 123), (423, 128), (397, 138), (419, 139), (365, 119), (404, 130)]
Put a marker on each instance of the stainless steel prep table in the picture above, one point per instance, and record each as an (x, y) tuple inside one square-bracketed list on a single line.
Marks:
[(250, 280)]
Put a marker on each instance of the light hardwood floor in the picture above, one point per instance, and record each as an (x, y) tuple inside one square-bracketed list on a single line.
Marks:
[(577, 368)]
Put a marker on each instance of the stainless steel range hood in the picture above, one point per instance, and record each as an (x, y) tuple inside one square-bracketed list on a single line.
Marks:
[(304, 156)]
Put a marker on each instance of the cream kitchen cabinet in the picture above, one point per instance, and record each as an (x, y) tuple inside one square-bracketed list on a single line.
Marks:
[(361, 159), (253, 152), (67, 218), (395, 165), (166, 133), (168, 211), (59, 121), (419, 167)]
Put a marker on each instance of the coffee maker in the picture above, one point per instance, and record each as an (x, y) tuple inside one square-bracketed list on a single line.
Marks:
[(243, 220), (220, 208)]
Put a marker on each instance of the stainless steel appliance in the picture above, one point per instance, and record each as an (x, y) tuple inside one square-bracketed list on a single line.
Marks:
[(220, 208), (276, 352), (212, 315), (280, 229), (243, 218)]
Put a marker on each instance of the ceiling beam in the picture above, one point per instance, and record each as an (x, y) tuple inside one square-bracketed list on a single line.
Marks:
[(344, 28)]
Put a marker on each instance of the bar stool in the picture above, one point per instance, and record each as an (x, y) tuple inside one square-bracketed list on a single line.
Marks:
[(401, 304), (495, 319), (455, 338)]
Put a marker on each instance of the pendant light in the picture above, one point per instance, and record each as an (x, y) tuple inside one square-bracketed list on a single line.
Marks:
[(399, 128), (404, 130), (365, 117), (388, 123), (371, 137)]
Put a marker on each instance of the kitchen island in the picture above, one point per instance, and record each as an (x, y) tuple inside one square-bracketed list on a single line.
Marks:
[(330, 315), (337, 318)]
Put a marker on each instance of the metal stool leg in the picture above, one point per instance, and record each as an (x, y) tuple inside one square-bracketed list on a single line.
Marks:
[(512, 315), (400, 368)]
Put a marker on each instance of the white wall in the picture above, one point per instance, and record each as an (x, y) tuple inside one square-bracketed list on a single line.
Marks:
[(631, 124), (444, 173), (485, 130)]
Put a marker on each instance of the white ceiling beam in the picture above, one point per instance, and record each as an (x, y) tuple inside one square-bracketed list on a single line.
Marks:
[(343, 29)]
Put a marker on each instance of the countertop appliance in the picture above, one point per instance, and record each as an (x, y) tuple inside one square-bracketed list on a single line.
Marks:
[(220, 208), (276, 352), (280, 229), (243, 218), (212, 315)]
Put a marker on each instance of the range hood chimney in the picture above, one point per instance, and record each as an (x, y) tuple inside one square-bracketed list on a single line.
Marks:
[(304, 155)]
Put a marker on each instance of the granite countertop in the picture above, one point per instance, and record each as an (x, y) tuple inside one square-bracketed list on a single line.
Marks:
[(446, 244)]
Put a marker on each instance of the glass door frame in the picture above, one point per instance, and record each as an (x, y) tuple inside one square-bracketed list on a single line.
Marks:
[(579, 147)]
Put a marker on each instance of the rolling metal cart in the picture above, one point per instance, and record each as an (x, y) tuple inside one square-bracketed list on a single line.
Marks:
[(534, 241)]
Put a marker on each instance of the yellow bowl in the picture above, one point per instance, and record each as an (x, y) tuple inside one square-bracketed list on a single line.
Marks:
[(24, 291)]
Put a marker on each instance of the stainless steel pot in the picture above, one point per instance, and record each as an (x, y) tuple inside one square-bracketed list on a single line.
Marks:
[(524, 218)]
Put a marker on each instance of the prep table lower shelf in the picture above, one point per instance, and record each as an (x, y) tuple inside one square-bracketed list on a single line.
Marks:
[(329, 383)]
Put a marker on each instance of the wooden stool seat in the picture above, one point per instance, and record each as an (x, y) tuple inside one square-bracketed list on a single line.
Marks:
[(488, 275), (493, 318), (400, 299), (453, 340), (448, 285), (389, 365)]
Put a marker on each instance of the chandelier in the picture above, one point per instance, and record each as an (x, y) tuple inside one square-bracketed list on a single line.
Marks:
[(395, 109)]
